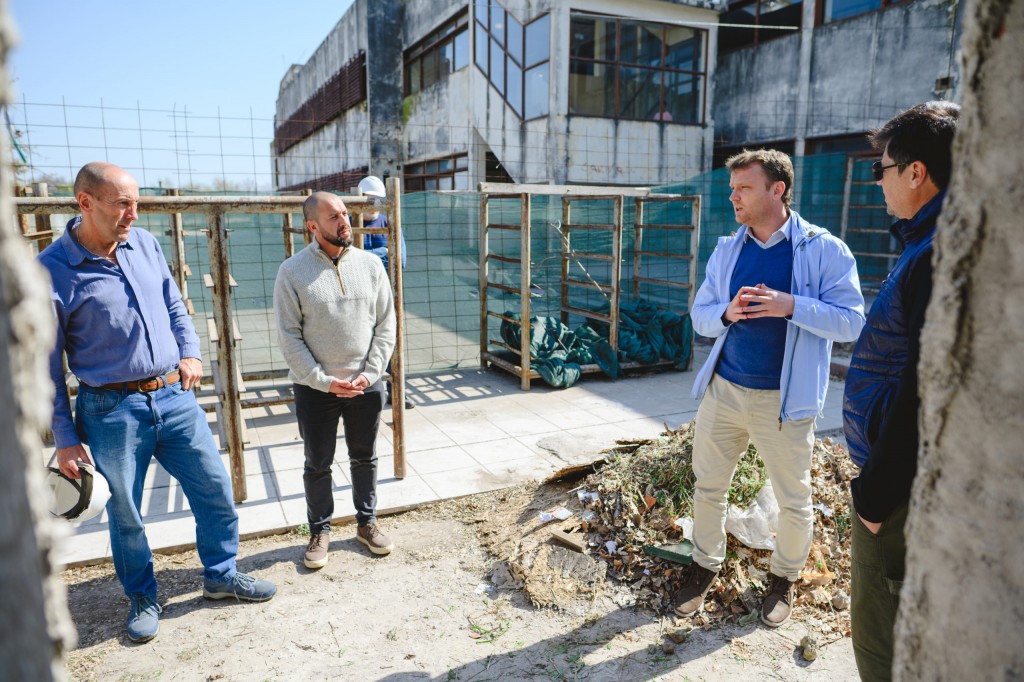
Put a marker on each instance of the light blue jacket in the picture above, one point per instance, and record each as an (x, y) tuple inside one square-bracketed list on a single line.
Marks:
[(829, 307)]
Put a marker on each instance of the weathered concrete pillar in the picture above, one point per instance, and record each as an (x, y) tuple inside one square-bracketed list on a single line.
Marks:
[(35, 628), (384, 20), (962, 605)]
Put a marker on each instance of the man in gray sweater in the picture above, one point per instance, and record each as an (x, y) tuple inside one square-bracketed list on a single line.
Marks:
[(336, 327)]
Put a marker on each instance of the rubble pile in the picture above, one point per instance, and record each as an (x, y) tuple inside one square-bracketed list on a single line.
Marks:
[(565, 540)]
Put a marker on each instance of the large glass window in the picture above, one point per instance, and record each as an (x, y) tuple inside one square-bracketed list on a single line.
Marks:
[(444, 51), (622, 68), (514, 57), (447, 172), (766, 19)]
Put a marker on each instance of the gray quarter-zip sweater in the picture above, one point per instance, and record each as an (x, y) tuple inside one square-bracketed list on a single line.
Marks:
[(334, 321)]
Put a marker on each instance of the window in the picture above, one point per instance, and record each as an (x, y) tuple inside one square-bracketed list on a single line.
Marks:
[(622, 68), (836, 10), (444, 51), (514, 57), (447, 172), (758, 14)]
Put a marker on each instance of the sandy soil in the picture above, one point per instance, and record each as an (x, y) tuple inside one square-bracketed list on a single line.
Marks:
[(426, 612)]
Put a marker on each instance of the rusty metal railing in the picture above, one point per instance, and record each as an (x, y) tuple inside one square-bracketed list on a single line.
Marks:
[(227, 374)]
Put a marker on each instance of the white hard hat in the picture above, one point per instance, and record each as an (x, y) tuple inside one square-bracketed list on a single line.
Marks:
[(79, 499), (372, 186)]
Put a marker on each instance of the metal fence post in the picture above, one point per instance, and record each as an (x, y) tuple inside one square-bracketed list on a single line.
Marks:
[(394, 205), (231, 407)]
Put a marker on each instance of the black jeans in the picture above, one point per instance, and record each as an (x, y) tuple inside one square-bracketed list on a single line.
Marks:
[(318, 414)]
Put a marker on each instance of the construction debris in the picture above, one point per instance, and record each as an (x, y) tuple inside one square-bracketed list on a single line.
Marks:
[(642, 498)]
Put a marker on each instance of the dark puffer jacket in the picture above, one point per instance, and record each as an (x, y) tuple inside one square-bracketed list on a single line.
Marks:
[(880, 404)]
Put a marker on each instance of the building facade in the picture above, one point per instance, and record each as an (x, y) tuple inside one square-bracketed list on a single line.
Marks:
[(449, 94)]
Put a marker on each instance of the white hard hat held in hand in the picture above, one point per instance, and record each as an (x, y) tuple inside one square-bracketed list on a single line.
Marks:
[(372, 186), (77, 500)]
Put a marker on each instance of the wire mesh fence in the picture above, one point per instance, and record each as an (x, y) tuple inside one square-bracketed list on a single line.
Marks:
[(223, 154)]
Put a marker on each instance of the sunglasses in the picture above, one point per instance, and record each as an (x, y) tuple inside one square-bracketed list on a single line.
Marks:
[(878, 170)]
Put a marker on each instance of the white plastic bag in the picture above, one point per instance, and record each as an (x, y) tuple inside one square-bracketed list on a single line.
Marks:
[(755, 526)]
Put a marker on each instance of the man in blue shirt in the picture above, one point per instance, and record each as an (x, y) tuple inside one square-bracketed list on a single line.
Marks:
[(131, 343), (775, 297)]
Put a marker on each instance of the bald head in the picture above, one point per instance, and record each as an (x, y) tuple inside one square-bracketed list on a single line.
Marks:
[(95, 175), (311, 206)]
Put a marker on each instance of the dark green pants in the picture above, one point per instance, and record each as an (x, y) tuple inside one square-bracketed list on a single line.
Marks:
[(877, 576)]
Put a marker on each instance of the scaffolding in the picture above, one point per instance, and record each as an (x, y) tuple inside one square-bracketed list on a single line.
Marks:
[(610, 288), (229, 378)]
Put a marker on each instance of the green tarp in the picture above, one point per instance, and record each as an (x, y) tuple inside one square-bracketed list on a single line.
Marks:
[(646, 335)]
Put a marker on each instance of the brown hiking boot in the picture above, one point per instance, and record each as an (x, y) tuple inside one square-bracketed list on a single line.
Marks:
[(316, 551), (695, 587), (778, 603), (371, 536)]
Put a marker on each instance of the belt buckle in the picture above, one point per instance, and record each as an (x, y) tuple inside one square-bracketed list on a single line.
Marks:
[(157, 385)]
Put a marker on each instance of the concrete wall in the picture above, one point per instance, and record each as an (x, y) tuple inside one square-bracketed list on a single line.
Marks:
[(861, 72)]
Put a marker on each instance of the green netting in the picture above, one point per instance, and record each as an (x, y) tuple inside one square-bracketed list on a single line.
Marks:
[(442, 232)]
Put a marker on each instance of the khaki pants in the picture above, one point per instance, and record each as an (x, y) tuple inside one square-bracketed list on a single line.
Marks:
[(730, 417)]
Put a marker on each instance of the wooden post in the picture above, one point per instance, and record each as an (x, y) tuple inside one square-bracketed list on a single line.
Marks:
[(638, 242), (616, 273), (178, 250), (23, 220), (306, 235), (566, 250), (231, 408), (394, 206), (289, 245), (43, 222), (524, 292), (484, 251)]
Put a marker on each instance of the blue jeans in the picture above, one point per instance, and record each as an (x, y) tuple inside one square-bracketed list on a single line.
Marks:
[(124, 431), (318, 414)]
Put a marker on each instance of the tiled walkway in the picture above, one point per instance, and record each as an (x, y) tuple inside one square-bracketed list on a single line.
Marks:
[(471, 431)]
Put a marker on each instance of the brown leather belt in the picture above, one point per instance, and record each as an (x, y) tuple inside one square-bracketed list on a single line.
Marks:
[(144, 385)]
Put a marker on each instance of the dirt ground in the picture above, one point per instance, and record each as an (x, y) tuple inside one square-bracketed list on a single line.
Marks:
[(426, 612)]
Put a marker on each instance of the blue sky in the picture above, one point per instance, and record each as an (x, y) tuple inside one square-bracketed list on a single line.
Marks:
[(176, 92)]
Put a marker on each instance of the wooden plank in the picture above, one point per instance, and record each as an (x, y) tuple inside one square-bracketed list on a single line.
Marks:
[(504, 226), (592, 256), (586, 313), (678, 285), (666, 226), (587, 226), (606, 288), (515, 370), (666, 254), (561, 190), (573, 540), (207, 280), (211, 329), (234, 330)]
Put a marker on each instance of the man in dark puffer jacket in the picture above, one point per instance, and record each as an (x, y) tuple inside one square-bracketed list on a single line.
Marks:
[(881, 402)]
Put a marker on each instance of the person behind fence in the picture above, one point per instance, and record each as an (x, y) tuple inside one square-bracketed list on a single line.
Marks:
[(377, 244), (131, 343), (776, 295), (881, 403), (336, 328)]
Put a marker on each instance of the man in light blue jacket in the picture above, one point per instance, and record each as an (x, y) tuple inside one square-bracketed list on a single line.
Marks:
[(776, 295)]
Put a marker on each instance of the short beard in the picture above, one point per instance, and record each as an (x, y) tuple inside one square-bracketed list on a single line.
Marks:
[(343, 242)]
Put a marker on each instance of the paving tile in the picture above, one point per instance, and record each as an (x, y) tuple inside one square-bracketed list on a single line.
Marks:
[(441, 459), (399, 494), (514, 471), (257, 516), (497, 451), (84, 546), (460, 482)]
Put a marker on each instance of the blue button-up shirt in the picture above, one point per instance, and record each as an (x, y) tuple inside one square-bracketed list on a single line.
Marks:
[(121, 321)]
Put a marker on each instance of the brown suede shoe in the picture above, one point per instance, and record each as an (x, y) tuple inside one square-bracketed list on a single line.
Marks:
[(371, 536), (695, 587), (316, 551), (778, 603)]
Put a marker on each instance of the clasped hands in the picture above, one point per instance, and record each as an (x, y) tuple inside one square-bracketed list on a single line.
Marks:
[(349, 389), (759, 301)]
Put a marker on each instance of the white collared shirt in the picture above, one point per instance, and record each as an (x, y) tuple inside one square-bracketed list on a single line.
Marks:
[(784, 232)]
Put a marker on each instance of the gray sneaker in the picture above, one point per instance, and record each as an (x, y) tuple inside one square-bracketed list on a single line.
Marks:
[(144, 618), (242, 587), (371, 536), (316, 551)]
